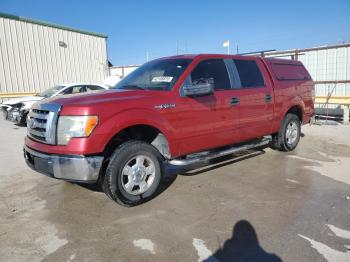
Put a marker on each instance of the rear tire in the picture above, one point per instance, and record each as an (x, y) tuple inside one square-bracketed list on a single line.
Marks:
[(288, 137), (134, 173)]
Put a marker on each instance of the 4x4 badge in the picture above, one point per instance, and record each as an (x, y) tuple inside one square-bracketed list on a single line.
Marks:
[(165, 106)]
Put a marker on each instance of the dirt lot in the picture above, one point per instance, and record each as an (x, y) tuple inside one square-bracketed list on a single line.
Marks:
[(268, 205)]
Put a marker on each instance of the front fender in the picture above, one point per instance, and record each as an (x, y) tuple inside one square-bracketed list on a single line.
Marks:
[(112, 126)]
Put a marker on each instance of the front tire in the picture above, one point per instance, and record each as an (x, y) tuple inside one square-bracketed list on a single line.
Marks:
[(134, 173), (288, 137)]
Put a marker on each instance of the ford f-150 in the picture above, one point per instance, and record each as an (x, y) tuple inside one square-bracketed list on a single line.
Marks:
[(176, 110)]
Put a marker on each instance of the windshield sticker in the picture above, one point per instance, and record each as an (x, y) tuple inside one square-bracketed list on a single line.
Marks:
[(166, 79)]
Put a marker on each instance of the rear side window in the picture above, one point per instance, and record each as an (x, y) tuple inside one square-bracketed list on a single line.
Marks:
[(249, 73), (285, 72), (212, 71)]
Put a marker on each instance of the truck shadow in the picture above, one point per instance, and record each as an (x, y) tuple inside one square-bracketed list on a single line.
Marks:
[(171, 172), (243, 246)]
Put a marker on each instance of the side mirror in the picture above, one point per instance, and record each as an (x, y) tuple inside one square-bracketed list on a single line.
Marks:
[(198, 89)]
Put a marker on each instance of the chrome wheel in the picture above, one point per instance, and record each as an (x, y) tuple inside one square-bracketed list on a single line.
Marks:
[(138, 175), (292, 133)]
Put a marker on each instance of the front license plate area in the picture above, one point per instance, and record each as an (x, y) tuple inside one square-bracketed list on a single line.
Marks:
[(43, 165)]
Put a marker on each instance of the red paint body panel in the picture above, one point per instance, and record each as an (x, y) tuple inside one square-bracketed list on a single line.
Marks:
[(195, 124), (255, 115), (289, 93)]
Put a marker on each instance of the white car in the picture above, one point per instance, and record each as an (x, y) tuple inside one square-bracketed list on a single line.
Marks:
[(16, 110)]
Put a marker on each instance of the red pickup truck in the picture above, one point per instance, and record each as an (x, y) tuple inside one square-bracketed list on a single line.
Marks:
[(177, 110)]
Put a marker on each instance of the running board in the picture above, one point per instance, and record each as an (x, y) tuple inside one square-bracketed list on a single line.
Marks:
[(216, 154)]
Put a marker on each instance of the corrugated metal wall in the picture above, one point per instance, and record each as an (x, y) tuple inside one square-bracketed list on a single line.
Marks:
[(329, 65), (32, 59)]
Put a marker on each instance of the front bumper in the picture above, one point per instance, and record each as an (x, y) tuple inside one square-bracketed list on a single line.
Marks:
[(72, 168)]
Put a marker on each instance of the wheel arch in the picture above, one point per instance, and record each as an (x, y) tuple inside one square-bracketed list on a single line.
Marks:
[(296, 110), (142, 132), (296, 106), (141, 124)]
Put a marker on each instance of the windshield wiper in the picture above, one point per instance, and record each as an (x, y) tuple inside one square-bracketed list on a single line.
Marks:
[(133, 87)]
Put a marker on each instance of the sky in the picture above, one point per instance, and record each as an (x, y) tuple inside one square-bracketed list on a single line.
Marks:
[(140, 29)]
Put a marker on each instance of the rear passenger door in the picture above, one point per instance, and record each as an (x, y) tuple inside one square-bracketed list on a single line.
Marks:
[(255, 98)]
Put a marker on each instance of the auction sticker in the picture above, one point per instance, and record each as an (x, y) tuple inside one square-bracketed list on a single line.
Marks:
[(166, 79)]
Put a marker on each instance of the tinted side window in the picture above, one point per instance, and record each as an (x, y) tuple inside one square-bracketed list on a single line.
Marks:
[(67, 91), (249, 73), (78, 89), (213, 71), (93, 88), (284, 72), (74, 90)]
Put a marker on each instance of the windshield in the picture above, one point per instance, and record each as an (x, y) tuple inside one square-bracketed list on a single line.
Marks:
[(51, 91), (155, 75)]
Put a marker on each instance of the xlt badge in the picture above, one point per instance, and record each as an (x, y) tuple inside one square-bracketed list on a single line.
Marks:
[(165, 106)]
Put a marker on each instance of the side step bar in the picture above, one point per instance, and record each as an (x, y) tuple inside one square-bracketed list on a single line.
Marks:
[(211, 155)]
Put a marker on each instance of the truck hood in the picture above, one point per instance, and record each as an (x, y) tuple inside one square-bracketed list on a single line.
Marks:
[(22, 99), (98, 97)]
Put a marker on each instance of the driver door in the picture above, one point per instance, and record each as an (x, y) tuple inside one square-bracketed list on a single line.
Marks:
[(208, 122)]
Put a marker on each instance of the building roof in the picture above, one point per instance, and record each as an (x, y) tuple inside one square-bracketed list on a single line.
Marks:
[(325, 47), (44, 23)]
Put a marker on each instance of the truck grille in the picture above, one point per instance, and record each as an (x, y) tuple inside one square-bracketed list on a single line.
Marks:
[(42, 121)]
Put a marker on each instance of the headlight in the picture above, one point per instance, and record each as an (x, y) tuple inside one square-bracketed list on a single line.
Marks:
[(74, 126)]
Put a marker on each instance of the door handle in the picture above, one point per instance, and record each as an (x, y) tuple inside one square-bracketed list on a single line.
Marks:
[(234, 101), (268, 98)]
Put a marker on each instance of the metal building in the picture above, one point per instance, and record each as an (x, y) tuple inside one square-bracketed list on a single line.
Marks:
[(35, 55)]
